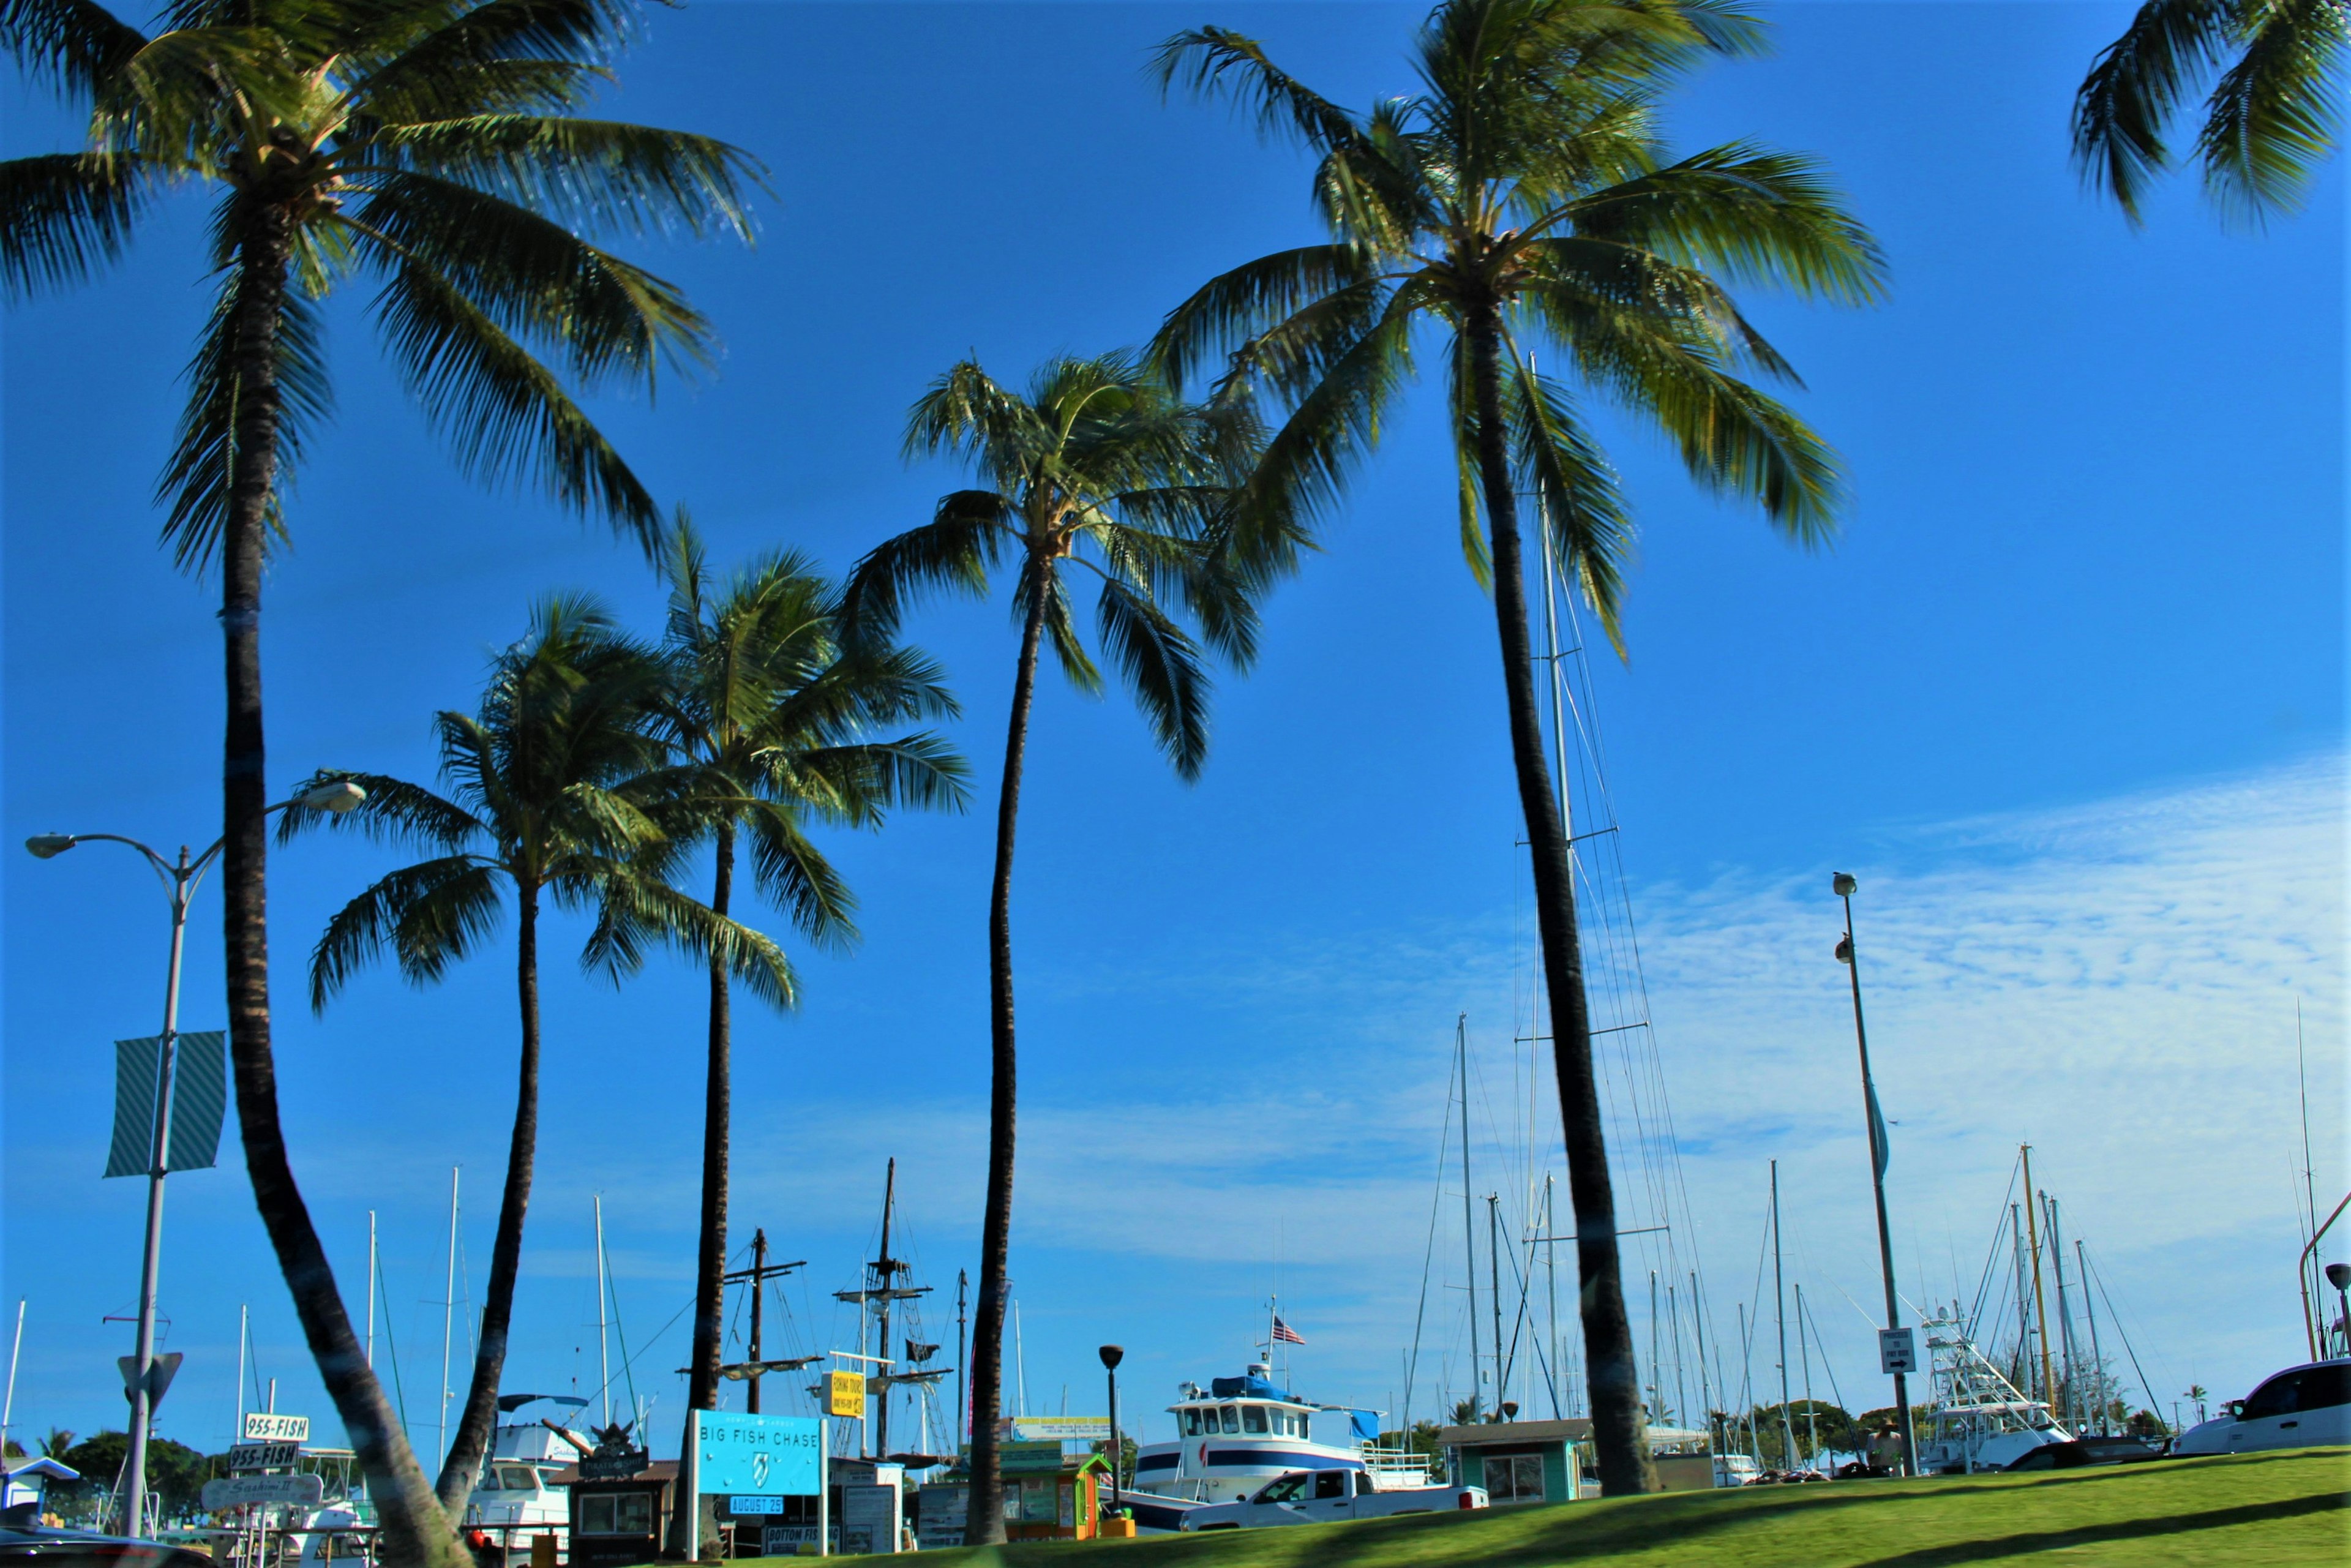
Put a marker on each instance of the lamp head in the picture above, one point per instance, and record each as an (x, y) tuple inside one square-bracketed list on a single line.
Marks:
[(2339, 1276), (1842, 885), (338, 797), (1844, 949), (48, 846), (1112, 1354), (1509, 1409)]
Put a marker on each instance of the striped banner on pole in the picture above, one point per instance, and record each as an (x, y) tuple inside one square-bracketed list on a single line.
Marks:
[(199, 1102)]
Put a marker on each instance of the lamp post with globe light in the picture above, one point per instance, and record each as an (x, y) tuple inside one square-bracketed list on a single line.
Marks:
[(1111, 1356), (179, 878), (1844, 887)]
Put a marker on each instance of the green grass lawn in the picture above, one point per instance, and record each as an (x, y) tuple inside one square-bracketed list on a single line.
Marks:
[(2270, 1510)]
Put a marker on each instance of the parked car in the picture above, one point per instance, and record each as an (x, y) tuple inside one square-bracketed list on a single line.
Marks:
[(2303, 1407), (41, 1546), (1315, 1497)]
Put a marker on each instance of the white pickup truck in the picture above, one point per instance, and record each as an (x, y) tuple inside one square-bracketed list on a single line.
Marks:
[(1315, 1497)]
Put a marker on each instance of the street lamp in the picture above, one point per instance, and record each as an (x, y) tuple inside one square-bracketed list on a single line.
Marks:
[(1844, 887), (180, 879), (1112, 1355)]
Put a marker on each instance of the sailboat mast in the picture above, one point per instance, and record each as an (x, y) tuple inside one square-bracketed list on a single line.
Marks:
[(2064, 1316), (1780, 1322), (1494, 1289), (2097, 1358), (448, 1320), (2040, 1296), (1551, 1290), (1697, 1333), (2021, 1371), (370, 1315), (963, 1283), (1469, 1218), (604, 1338), (1812, 1411), (758, 1295), (885, 1275)]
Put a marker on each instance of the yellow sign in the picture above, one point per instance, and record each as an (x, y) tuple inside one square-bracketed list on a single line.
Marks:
[(844, 1394)]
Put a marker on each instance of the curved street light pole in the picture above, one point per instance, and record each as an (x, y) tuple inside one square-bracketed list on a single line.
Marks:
[(1845, 887), (180, 879)]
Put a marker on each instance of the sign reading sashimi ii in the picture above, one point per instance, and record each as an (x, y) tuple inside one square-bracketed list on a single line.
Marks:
[(758, 1456)]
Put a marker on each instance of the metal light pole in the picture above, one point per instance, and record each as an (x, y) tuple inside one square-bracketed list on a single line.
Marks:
[(1112, 1355), (1845, 888), (179, 878)]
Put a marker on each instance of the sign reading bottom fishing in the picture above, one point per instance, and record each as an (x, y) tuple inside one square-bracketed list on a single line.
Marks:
[(743, 1457)]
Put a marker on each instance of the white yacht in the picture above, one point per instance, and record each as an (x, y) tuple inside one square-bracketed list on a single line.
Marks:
[(518, 1496), (1242, 1432), (1980, 1420)]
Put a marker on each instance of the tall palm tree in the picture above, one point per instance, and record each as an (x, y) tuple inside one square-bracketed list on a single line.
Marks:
[(769, 727), (2269, 120), (1097, 467), (548, 802), (1523, 199), (430, 147)]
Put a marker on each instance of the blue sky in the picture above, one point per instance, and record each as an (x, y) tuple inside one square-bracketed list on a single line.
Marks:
[(2068, 695)]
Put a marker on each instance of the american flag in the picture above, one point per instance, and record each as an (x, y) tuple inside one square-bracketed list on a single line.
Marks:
[(1284, 1335)]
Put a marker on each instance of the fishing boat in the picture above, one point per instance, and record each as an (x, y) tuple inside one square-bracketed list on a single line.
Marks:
[(1978, 1420), (1241, 1432), (519, 1495)]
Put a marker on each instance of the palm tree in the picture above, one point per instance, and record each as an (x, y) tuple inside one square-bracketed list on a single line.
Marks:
[(549, 801), (768, 725), (1099, 466), (431, 147), (2268, 121), (1523, 199)]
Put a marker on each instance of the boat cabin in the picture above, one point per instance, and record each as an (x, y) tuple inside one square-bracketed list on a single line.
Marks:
[(1245, 1418)]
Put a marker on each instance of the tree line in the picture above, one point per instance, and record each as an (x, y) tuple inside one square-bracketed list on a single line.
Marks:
[(1521, 200)]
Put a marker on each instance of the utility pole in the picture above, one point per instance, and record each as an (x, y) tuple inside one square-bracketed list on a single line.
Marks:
[(1844, 887)]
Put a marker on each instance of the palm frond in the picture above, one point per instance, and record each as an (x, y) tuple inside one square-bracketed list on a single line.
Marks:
[(2271, 119), (1163, 672), (538, 281), (953, 551), (1585, 523), (63, 216), (507, 56), (73, 45), (1227, 309), (391, 811), (430, 915), (1215, 61), (1748, 213), (590, 171), (504, 414), (2136, 85), (194, 485)]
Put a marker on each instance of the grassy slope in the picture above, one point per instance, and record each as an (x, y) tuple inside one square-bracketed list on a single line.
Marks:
[(2270, 1510)]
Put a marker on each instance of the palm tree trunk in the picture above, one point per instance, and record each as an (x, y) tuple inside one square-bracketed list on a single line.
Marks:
[(415, 1533), (710, 1262), (984, 1523), (1618, 1440), (463, 1464)]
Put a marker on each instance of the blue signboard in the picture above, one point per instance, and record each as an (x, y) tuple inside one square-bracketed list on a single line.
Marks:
[(741, 1456)]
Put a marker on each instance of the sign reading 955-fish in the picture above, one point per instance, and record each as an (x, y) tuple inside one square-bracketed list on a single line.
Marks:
[(758, 1456)]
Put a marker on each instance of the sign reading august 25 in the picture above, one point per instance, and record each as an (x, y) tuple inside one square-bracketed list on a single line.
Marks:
[(749, 1456)]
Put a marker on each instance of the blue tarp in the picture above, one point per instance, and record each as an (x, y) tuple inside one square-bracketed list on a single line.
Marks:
[(1250, 1387), (1367, 1425)]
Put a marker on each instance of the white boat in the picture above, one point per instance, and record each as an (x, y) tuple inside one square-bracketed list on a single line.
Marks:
[(1242, 1432), (519, 1497), (1980, 1420)]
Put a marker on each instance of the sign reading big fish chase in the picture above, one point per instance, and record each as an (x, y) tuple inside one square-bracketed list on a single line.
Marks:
[(758, 1456)]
